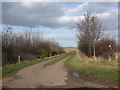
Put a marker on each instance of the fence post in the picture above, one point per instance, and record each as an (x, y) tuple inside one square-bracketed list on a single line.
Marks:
[(18, 59)]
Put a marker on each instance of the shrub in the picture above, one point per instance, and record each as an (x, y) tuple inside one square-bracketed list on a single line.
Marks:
[(103, 49), (43, 53)]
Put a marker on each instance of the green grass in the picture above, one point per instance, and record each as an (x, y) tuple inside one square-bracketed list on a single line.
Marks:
[(55, 61), (101, 69), (10, 69), (65, 55)]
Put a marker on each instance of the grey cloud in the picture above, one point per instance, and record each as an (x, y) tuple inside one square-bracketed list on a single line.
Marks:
[(110, 20), (100, 7), (107, 12), (53, 15), (44, 14), (96, 7)]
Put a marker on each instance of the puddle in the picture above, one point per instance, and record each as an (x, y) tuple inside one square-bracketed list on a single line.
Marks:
[(75, 74)]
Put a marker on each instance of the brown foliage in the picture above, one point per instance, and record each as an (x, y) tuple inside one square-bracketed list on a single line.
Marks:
[(103, 49), (27, 45)]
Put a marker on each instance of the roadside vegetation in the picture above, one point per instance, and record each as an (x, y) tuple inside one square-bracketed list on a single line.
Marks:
[(26, 45), (91, 39), (100, 70), (13, 68)]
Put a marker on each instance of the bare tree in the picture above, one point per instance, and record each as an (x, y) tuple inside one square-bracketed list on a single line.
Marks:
[(26, 45), (89, 32)]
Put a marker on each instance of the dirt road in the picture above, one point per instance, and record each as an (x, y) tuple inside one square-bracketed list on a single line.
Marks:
[(38, 75)]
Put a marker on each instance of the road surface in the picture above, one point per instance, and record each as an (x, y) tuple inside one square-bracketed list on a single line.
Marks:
[(37, 76)]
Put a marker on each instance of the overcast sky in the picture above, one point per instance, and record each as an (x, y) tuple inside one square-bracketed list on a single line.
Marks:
[(58, 20)]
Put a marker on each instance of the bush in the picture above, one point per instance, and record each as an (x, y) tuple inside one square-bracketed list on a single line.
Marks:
[(43, 53), (103, 49)]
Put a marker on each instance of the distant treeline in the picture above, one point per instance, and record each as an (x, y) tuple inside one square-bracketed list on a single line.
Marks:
[(27, 45)]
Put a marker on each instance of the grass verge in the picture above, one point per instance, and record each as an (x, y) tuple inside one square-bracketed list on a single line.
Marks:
[(13, 68), (54, 61), (101, 70)]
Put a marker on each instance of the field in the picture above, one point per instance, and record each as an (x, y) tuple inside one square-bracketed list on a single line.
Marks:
[(70, 49)]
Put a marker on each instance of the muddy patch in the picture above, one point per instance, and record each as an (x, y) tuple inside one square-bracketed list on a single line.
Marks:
[(87, 81)]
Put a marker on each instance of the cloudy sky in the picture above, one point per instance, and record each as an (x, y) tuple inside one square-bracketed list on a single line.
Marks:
[(58, 19)]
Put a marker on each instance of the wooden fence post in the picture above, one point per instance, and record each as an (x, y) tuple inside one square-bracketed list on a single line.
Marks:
[(18, 59)]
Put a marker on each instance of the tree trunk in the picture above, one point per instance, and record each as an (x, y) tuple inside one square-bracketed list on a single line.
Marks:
[(94, 51), (90, 52)]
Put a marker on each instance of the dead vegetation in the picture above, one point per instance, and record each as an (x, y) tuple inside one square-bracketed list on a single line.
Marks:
[(70, 49)]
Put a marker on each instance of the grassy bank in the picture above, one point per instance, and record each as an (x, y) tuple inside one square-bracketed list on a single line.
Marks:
[(99, 70), (10, 69), (55, 61)]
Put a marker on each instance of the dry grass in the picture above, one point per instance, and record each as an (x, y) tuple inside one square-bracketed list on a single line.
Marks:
[(99, 62), (99, 70), (105, 69), (70, 49)]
